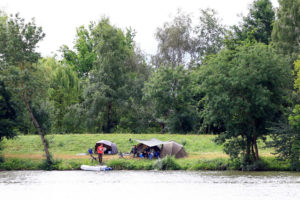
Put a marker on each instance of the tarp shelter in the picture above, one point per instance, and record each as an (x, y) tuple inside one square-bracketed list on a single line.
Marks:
[(109, 147), (173, 149), (153, 143)]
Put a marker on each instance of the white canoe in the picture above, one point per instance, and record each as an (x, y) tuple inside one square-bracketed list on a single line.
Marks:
[(95, 168)]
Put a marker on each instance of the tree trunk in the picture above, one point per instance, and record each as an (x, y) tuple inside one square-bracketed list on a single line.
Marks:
[(108, 127), (162, 125), (248, 146), (254, 142), (256, 148), (252, 151), (37, 126)]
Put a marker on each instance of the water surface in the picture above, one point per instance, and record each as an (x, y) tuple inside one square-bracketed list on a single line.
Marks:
[(175, 185)]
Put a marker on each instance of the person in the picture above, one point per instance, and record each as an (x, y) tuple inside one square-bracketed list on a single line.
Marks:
[(150, 156), (100, 151), (91, 154), (156, 155), (134, 151)]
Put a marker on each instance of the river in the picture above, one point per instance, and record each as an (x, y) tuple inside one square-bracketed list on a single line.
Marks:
[(154, 185)]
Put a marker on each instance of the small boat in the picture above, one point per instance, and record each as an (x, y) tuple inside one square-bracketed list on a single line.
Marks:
[(95, 168)]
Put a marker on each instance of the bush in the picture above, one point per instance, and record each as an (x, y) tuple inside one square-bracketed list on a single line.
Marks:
[(215, 164), (19, 164), (167, 163), (53, 165), (135, 164)]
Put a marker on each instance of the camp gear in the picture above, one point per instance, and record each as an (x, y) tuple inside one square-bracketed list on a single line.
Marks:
[(95, 168), (173, 149), (108, 146)]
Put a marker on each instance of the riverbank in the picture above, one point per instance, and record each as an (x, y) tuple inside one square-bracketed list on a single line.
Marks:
[(26, 153)]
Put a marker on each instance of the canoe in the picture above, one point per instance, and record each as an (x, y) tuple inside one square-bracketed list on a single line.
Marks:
[(95, 168)]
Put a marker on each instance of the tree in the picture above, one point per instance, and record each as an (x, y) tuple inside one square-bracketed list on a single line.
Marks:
[(107, 89), (258, 23), (170, 91), (174, 41), (18, 42), (244, 90), (209, 37), (286, 32), (7, 110), (64, 91), (7, 113), (84, 56), (180, 43)]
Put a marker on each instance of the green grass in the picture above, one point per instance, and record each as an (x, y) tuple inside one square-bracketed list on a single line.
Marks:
[(26, 152), (78, 143)]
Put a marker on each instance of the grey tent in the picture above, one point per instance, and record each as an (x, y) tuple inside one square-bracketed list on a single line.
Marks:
[(111, 148), (153, 144), (173, 149)]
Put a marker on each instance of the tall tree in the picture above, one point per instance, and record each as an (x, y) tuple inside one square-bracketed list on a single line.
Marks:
[(258, 23), (7, 113), (64, 91), (108, 80), (174, 41), (180, 43), (286, 134), (84, 56), (170, 91), (244, 89), (18, 42), (209, 37), (286, 32)]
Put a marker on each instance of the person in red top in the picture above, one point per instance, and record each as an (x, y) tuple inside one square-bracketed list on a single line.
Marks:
[(100, 151)]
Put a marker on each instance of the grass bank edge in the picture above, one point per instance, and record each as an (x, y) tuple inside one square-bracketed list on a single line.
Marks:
[(168, 163)]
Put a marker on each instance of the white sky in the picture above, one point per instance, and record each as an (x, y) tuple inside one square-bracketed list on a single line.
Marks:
[(60, 18)]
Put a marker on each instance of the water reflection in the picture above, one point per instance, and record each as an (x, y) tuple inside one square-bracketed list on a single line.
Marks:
[(149, 185)]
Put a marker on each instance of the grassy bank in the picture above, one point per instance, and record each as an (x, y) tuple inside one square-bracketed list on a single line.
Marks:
[(26, 152)]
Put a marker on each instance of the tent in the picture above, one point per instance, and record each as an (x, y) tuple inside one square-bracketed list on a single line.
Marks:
[(109, 147), (173, 149), (152, 144)]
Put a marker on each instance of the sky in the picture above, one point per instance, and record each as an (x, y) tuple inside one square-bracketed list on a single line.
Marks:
[(60, 18)]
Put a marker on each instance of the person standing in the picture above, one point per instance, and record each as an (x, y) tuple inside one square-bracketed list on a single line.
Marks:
[(100, 151)]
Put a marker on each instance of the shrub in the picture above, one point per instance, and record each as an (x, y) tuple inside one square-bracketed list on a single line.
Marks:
[(53, 165), (167, 163), (215, 164)]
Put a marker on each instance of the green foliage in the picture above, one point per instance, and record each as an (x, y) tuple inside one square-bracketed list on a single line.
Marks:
[(7, 113), (167, 163), (125, 164), (53, 165), (116, 80), (174, 41), (244, 89), (286, 134), (258, 23), (210, 35), (64, 91), (84, 56), (180, 43), (18, 41), (170, 92), (213, 164), (19, 164), (286, 34)]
